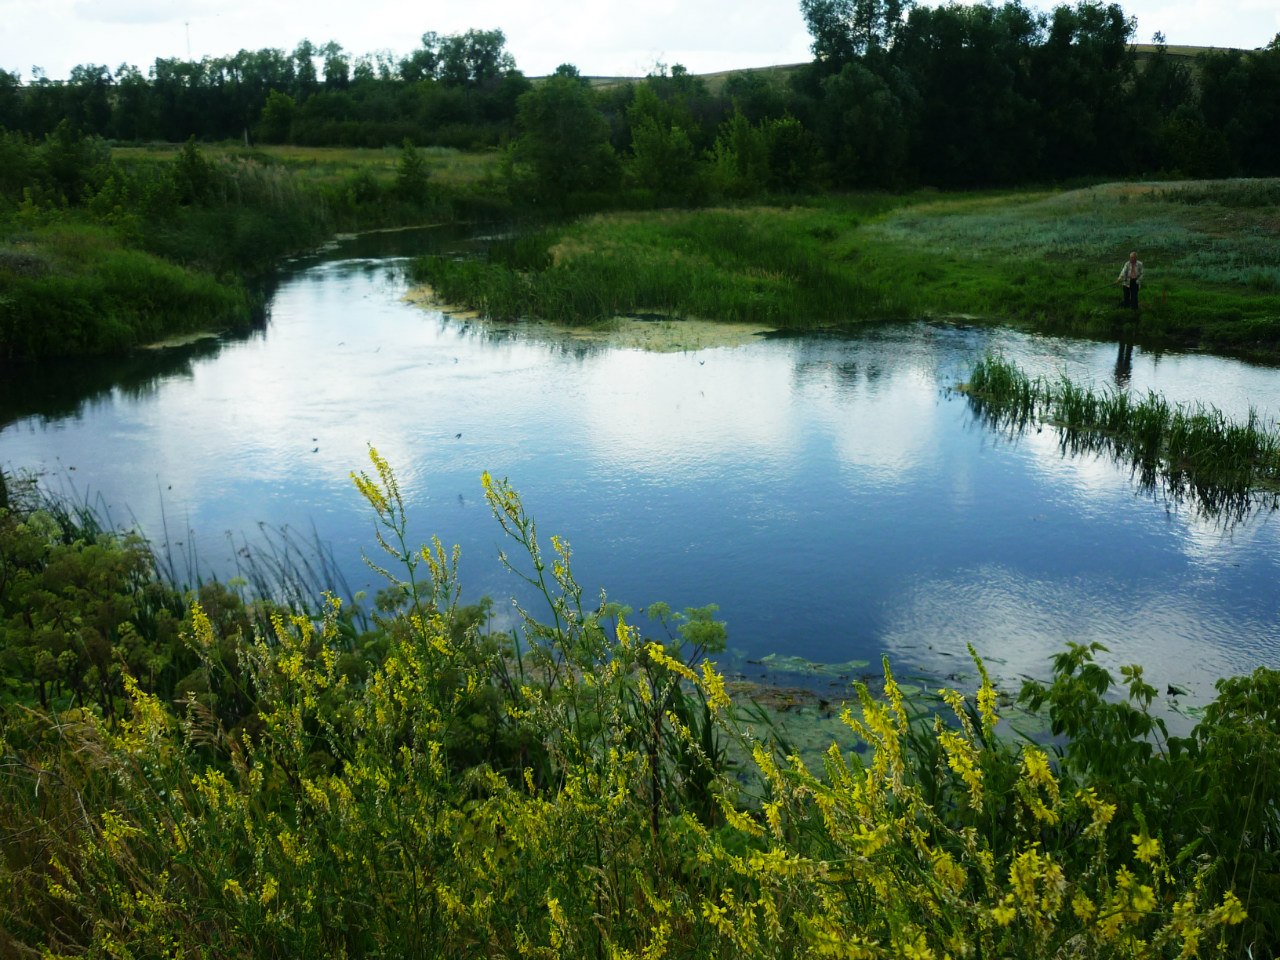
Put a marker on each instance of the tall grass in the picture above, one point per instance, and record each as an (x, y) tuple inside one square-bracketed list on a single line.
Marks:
[(1048, 259), (1193, 449), (97, 297), (747, 266)]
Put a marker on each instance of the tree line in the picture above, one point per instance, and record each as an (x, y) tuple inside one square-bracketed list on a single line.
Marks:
[(898, 94)]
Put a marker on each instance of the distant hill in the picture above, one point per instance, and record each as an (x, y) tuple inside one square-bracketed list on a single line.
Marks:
[(714, 81)]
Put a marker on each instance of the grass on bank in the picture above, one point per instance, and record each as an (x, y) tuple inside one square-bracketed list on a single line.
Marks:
[(1046, 260), (73, 288), (168, 240)]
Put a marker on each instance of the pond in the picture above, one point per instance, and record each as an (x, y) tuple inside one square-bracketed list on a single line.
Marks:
[(832, 495)]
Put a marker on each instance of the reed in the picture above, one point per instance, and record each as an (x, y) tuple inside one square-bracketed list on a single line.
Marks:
[(1192, 449)]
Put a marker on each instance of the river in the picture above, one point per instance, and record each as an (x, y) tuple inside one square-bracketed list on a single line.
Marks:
[(832, 495)]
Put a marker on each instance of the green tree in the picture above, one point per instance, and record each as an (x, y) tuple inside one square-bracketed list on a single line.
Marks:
[(474, 58), (17, 166), (663, 159), (1081, 73), (276, 122), (10, 100), (90, 91), (73, 165), (194, 178), (131, 118), (305, 79), (411, 173), (759, 95), (863, 127), (337, 66), (422, 63), (562, 151), (740, 158), (1240, 100), (975, 114), (844, 30), (793, 155)]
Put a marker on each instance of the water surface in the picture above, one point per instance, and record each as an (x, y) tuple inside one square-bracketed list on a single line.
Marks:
[(833, 496)]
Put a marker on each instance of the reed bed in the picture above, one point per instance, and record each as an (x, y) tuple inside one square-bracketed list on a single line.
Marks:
[(1192, 449)]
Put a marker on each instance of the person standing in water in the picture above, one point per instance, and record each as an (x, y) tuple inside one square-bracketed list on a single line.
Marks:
[(1131, 277)]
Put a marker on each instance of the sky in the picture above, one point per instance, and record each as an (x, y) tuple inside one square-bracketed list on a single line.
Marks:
[(599, 37)]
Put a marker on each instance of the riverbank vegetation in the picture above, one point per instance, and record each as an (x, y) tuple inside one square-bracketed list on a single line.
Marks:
[(215, 775), (1193, 451), (103, 250), (1046, 260)]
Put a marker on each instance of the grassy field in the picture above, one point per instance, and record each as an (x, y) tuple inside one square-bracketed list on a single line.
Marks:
[(1050, 259), (1044, 260), (333, 164)]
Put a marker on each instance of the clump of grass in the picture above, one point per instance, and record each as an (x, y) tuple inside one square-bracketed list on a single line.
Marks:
[(1193, 449)]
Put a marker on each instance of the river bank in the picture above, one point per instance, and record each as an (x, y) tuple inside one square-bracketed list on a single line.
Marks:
[(1041, 260)]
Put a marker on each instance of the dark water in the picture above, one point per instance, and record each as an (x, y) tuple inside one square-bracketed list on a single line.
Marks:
[(833, 496)]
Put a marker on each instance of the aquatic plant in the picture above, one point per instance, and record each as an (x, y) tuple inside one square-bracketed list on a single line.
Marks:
[(1192, 451)]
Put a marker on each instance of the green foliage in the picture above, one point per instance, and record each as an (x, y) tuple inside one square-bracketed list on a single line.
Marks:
[(740, 266), (664, 160), (845, 29), (72, 166), (562, 154), (193, 175), (411, 174), (79, 608), (17, 167), (276, 123), (740, 158), (1213, 794), (93, 297)]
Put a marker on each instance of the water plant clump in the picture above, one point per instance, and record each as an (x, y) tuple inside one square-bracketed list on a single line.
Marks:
[(1192, 450), (566, 790)]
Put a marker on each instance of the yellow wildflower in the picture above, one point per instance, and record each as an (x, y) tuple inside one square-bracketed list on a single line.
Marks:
[(1146, 848), (1083, 907), (771, 814), (1102, 811), (1230, 912), (713, 685)]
